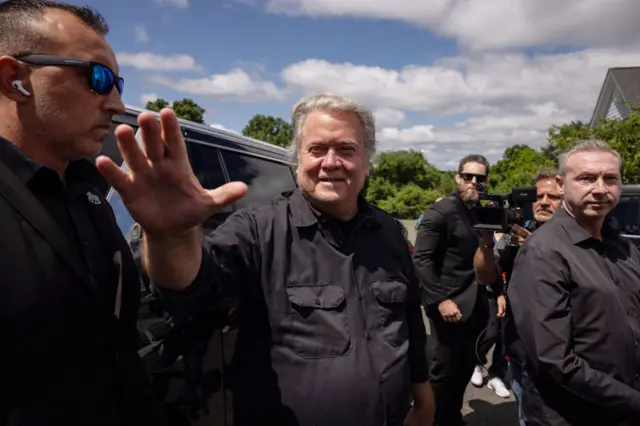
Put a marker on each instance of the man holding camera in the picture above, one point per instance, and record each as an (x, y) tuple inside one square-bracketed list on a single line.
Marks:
[(503, 255), (443, 258)]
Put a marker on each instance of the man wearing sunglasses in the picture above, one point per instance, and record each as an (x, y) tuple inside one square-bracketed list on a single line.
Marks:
[(443, 258), (69, 288)]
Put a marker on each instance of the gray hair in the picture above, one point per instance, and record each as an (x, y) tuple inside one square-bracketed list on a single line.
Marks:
[(542, 174), (332, 103), (588, 145)]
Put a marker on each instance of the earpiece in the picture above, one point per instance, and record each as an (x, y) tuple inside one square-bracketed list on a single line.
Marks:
[(17, 84)]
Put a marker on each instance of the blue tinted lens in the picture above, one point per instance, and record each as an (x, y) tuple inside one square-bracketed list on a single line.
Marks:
[(120, 84), (102, 79)]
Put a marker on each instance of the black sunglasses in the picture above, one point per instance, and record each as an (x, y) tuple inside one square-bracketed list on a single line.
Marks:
[(101, 78), (470, 176)]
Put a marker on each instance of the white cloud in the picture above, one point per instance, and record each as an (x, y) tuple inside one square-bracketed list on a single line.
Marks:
[(148, 97), (182, 4), (506, 98), (141, 33), (153, 62), (388, 117), (494, 24), (237, 84)]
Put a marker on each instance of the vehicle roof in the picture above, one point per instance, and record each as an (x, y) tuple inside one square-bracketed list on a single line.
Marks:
[(245, 143), (631, 189)]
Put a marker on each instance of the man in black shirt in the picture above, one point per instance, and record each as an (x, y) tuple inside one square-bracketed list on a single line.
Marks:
[(69, 286), (503, 255), (330, 325), (443, 258), (575, 298)]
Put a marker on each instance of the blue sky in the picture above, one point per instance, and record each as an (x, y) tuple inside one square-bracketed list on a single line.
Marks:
[(448, 77)]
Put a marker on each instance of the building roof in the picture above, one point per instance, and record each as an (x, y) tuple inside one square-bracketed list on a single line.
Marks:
[(627, 83)]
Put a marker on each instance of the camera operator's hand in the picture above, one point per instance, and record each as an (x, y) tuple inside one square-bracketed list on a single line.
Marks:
[(450, 311), (502, 306), (486, 238), (518, 235)]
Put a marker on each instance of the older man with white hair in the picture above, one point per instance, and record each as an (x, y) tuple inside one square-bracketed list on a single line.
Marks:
[(575, 299), (330, 327)]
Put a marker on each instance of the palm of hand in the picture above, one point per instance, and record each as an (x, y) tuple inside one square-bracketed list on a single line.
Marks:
[(161, 191)]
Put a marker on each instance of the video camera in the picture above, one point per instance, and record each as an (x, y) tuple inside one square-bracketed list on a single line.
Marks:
[(503, 210)]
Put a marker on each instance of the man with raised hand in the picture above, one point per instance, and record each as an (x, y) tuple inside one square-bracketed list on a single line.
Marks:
[(330, 325)]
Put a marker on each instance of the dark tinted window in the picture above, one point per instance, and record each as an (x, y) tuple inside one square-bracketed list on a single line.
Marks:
[(627, 215), (206, 165), (266, 179)]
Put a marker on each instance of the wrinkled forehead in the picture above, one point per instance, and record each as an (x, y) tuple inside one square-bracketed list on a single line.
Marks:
[(547, 186), (322, 126), (474, 168), (593, 163)]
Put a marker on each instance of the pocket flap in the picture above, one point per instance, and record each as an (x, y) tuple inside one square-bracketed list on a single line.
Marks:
[(325, 296), (390, 291)]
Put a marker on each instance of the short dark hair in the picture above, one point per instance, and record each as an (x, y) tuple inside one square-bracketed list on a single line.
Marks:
[(546, 173), (19, 35), (473, 158)]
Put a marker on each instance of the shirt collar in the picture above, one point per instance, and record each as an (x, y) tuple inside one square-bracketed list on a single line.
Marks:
[(577, 233), (304, 214), (78, 172)]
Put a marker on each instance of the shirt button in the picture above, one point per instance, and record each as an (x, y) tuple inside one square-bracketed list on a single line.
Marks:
[(316, 302)]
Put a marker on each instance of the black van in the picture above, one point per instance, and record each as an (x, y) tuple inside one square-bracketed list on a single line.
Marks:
[(627, 213), (188, 362)]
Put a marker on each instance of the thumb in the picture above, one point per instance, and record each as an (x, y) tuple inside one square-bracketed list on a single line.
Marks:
[(226, 194)]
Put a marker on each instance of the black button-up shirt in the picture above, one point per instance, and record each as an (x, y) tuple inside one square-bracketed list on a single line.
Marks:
[(576, 305), (443, 254), (330, 326)]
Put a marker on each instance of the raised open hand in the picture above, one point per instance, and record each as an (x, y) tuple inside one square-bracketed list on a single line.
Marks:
[(160, 189)]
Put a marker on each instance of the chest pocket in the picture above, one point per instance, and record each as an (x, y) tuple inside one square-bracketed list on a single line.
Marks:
[(318, 321), (392, 310)]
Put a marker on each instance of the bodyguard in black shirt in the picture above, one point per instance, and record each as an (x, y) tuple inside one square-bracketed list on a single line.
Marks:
[(457, 311), (330, 326), (575, 298), (69, 288)]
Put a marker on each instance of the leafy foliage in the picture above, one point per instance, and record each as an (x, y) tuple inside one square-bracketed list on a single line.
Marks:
[(186, 109), (269, 129)]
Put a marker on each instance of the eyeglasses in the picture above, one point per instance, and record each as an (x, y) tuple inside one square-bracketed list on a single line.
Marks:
[(101, 78), (470, 176)]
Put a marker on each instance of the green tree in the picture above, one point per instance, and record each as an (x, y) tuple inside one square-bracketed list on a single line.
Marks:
[(404, 167), (379, 189), (624, 137), (410, 201), (186, 109), (518, 164), (562, 138), (157, 105), (269, 129)]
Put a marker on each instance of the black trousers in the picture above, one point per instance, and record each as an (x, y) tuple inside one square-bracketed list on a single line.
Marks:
[(494, 335), (452, 350)]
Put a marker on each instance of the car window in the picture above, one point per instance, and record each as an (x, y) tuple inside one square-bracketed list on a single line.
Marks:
[(627, 215), (206, 165), (266, 179)]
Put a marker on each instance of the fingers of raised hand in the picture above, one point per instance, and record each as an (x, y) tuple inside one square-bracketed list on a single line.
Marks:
[(225, 194), (117, 177)]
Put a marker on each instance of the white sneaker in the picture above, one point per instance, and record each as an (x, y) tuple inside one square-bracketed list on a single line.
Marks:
[(496, 385), (477, 378)]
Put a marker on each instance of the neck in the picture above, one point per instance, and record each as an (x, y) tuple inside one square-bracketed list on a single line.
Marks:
[(342, 212), (34, 147), (590, 224)]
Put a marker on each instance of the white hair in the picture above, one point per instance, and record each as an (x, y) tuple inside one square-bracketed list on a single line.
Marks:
[(332, 103), (589, 145)]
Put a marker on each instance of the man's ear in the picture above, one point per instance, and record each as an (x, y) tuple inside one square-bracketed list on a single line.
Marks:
[(560, 183), (11, 70), (458, 178)]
